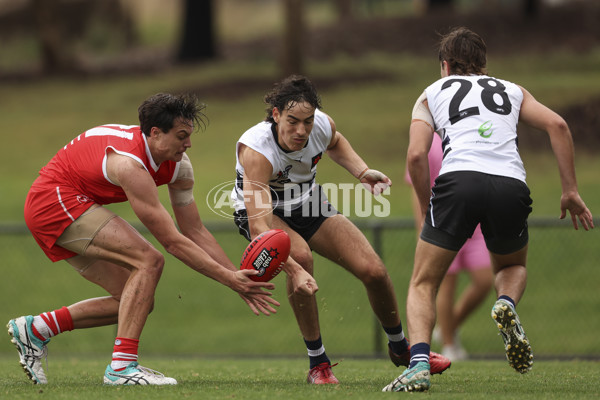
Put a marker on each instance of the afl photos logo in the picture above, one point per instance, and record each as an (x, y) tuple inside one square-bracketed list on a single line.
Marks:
[(219, 199)]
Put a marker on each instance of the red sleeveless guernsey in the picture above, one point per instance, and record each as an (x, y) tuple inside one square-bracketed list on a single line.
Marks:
[(75, 178)]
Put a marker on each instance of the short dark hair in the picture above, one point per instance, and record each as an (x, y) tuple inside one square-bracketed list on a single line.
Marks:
[(464, 51), (293, 89), (162, 109)]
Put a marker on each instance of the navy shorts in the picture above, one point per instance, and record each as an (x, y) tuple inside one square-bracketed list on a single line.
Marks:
[(461, 200), (304, 220)]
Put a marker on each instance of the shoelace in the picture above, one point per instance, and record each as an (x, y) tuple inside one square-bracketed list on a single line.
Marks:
[(45, 355), (150, 371), (325, 368)]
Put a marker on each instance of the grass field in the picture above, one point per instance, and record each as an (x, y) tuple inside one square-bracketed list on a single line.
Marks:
[(218, 378), (194, 316)]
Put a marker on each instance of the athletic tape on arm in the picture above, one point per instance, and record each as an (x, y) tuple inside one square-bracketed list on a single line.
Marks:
[(421, 112), (183, 197)]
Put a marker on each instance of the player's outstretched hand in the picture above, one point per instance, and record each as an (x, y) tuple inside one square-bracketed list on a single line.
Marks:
[(376, 182), (261, 303), (255, 294), (572, 201)]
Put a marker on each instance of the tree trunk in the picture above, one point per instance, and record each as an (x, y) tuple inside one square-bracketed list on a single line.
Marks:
[(344, 9), (438, 6), (55, 55), (531, 8), (198, 39), (294, 38)]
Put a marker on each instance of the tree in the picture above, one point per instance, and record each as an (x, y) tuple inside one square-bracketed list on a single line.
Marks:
[(439, 6), (294, 38), (344, 9), (55, 55), (531, 8), (198, 37), (63, 30)]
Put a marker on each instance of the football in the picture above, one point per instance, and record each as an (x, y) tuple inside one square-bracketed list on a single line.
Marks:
[(267, 254)]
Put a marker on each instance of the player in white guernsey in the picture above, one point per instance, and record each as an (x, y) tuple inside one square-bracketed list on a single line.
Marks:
[(482, 181), (293, 178), (276, 168)]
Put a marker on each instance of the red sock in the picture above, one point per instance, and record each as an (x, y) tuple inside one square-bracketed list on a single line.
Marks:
[(55, 322), (36, 333), (125, 352)]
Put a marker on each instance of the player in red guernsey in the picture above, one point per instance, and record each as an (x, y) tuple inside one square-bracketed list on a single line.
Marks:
[(63, 210)]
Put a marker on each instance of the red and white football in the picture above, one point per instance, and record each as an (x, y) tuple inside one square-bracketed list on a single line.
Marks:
[(267, 254)]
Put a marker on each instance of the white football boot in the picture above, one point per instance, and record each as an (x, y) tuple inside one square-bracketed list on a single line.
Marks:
[(135, 374)]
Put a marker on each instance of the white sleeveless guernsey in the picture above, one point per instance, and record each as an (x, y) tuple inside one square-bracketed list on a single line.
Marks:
[(293, 176), (477, 118)]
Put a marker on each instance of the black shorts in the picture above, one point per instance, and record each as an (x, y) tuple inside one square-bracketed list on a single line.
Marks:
[(461, 200), (304, 220)]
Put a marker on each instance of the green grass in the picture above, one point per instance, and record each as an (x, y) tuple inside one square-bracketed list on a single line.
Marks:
[(217, 378), (195, 316)]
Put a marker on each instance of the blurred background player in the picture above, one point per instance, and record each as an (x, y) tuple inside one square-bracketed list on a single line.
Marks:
[(63, 211), (472, 258), (281, 155), (482, 181)]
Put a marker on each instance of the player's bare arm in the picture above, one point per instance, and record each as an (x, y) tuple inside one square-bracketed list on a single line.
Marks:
[(143, 197), (537, 115), (417, 162), (257, 173), (189, 222), (340, 150), (187, 216)]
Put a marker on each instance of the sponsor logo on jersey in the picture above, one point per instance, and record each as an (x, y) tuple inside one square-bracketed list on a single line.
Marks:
[(316, 159), (83, 198), (485, 130), (283, 176)]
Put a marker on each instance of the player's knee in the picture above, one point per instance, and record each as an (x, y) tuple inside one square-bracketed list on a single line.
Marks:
[(305, 259), (153, 263), (376, 273)]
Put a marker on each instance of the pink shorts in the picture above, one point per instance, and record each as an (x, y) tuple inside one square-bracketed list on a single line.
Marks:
[(472, 256)]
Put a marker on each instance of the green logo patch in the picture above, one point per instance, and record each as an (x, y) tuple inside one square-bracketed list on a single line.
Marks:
[(485, 130)]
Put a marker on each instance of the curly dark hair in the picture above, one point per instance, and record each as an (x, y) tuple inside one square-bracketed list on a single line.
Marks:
[(464, 51), (290, 91), (162, 109)]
